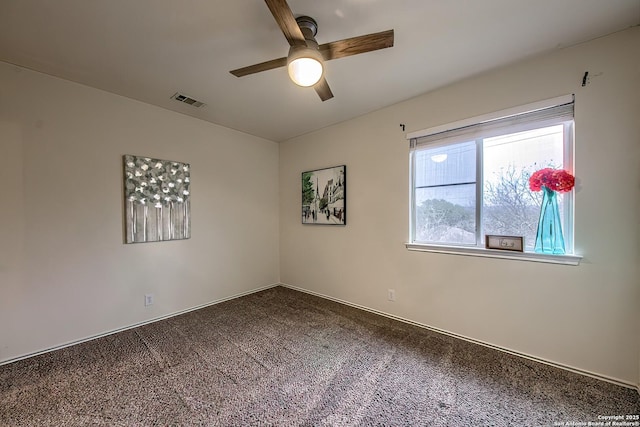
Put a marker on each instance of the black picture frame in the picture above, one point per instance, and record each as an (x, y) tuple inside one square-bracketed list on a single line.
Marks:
[(324, 196)]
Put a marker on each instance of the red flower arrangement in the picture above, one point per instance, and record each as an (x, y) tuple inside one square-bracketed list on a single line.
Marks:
[(554, 179)]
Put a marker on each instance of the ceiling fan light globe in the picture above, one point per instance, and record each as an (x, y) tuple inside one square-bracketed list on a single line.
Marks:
[(305, 65), (305, 71)]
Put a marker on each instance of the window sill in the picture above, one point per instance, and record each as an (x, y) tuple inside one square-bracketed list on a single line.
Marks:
[(493, 253)]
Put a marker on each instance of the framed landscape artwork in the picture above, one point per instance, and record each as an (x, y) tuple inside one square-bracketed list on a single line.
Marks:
[(157, 199), (324, 196)]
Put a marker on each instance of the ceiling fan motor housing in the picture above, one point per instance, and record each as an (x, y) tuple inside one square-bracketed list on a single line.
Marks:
[(308, 26), (304, 62)]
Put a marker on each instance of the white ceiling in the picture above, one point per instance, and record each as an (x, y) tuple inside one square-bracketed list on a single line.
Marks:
[(150, 49)]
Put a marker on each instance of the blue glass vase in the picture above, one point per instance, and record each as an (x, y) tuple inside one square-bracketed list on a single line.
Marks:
[(549, 239)]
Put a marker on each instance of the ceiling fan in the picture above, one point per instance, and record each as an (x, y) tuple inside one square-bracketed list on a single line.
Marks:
[(304, 50)]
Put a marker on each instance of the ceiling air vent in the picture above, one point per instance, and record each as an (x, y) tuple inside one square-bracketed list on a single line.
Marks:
[(187, 100)]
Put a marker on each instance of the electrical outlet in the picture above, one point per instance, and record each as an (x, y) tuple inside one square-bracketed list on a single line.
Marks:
[(148, 299), (391, 294)]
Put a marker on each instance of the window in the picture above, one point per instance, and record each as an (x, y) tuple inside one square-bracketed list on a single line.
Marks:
[(472, 178)]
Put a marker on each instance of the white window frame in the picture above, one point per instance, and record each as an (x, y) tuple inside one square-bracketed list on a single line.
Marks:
[(434, 137)]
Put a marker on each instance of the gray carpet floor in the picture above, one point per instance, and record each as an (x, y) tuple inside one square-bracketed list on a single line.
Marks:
[(285, 358)]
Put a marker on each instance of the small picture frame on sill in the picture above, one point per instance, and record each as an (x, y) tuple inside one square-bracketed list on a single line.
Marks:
[(504, 243)]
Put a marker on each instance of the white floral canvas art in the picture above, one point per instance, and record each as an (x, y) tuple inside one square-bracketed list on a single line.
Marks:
[(157, 199)]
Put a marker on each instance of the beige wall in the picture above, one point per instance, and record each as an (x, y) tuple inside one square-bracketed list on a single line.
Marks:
[(586, 317), (65, 273)]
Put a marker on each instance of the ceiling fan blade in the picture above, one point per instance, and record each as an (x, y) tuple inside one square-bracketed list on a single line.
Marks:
[(257, 68), (323, 90), (357, 45), (286, 21)]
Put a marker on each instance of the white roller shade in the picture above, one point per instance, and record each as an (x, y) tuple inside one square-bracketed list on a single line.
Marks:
[(487, 127)]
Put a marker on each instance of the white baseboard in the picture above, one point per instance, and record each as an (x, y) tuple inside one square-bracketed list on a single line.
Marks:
[(135, 325), (474, 341)]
